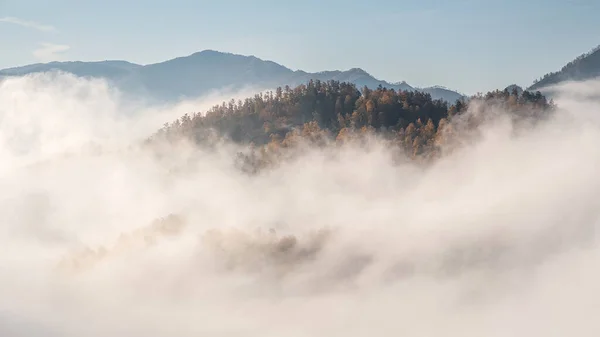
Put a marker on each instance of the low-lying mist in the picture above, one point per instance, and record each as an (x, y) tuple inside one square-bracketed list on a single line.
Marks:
[(102, 237)]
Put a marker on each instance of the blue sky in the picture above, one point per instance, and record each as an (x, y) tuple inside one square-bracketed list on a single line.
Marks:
[(468, 45)]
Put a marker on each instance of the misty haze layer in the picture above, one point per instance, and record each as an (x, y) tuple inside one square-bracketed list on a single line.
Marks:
[(105, 238)]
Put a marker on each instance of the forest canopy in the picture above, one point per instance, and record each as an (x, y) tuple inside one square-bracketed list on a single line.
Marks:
[(321, 112)]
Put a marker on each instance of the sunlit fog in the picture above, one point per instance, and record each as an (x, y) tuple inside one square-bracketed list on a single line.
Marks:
[(104, 236)]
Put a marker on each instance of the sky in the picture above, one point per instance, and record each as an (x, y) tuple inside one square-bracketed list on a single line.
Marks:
[(467, 45)]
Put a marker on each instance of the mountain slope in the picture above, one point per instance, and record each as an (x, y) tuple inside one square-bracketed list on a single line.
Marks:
[(584, 67), (105, 69), (514, 87), (208, 70), (442, 93)]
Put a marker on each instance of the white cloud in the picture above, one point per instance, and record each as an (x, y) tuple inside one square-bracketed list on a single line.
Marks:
[(50, 52), (29, 24)]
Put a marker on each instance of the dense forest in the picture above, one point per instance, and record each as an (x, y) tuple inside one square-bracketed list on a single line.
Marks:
[(323, 112)]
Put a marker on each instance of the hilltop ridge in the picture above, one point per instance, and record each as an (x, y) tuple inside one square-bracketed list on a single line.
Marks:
[(209, 70)]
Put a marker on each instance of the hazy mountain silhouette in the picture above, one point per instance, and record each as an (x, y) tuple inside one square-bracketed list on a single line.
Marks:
[(208, 70), (512, 87), (442, 92), (106, 69), (584, 67)]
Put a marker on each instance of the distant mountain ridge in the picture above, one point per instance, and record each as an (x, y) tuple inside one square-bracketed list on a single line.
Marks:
[(208, 70), (109, 69), (513, 87)]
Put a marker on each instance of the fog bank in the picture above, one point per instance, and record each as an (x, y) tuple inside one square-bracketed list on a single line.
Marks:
[(496, 239)]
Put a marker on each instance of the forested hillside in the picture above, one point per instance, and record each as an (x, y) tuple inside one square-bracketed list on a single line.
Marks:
[(585, 66), (320, 112)]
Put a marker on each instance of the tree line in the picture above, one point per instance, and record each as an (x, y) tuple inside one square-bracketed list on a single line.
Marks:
[(320, 112)]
